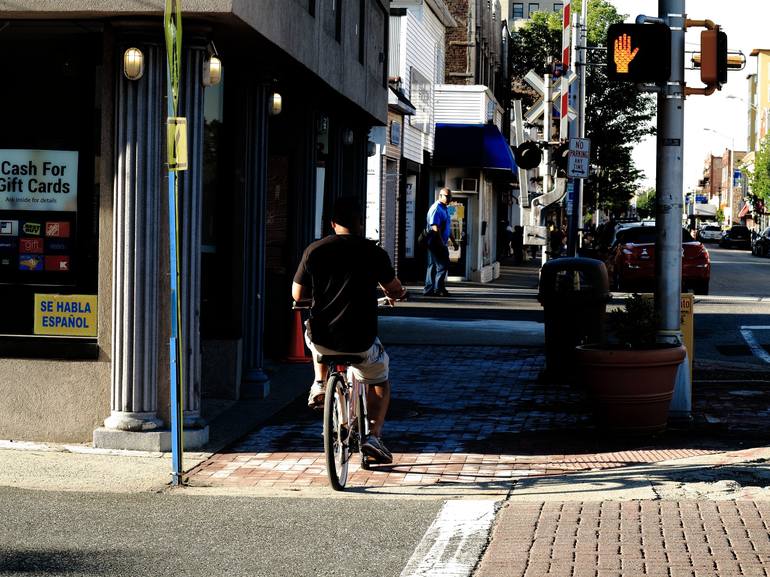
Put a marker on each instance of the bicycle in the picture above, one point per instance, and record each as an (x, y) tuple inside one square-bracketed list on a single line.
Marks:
[(345, 420)]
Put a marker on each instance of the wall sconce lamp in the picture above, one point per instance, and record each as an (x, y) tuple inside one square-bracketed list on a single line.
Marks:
[(133, 64), (212, 71), (276, 104), (348, 136), (212, 67)]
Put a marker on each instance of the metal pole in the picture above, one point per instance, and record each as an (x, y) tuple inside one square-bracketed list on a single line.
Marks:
[(545, 167), (173, 32), (669, 181), (581, 48), (730, 181)]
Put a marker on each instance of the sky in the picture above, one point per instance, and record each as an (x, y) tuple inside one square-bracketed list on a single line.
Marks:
[(745, 23)]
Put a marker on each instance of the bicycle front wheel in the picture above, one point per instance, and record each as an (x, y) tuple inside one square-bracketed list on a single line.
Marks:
[(336, 432)]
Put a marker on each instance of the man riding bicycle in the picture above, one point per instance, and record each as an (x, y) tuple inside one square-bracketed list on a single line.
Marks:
[(341, 273)]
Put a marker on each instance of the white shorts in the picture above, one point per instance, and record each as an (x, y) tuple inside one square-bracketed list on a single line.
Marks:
[(372, 370)]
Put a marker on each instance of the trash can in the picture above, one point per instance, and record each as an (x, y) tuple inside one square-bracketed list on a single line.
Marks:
[(574, 292)]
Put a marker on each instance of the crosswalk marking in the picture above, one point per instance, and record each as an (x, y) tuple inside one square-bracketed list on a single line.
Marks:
[(455, 541)]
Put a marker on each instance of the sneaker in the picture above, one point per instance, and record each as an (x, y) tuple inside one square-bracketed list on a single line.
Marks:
[(443, 293), (376, 450), (315, 399)]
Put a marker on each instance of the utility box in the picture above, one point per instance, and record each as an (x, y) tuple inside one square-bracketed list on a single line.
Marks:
[(574, 293)]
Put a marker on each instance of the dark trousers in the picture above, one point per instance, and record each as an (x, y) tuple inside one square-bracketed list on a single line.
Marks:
[(438, 268)]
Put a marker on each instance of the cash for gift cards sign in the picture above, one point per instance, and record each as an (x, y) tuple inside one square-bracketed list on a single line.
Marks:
[(39, 180)]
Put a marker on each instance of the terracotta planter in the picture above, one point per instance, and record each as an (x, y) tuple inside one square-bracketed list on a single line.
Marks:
[(632, 388)]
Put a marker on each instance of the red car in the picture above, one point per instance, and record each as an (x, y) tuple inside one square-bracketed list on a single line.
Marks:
[(631, 264)]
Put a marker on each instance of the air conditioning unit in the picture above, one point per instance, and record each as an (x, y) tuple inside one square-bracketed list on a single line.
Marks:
[(469, 185)]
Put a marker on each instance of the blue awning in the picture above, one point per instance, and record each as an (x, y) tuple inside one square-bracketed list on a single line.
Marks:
[(472, 146)]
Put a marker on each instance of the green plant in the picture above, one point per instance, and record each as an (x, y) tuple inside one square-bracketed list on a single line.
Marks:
[(634, 325)]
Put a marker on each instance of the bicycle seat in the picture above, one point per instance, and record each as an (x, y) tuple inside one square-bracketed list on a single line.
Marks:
[(340, 359)]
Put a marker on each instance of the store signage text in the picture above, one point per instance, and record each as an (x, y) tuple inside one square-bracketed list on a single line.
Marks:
[(38, 180), (65, 315)]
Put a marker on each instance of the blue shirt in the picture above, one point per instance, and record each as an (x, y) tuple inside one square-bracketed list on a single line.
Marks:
[(438, 214)]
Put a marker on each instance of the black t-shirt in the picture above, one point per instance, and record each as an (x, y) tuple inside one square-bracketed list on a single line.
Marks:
[(343, 272)]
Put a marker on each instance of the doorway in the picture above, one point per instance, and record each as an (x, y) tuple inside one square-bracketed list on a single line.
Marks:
[(458, 214)]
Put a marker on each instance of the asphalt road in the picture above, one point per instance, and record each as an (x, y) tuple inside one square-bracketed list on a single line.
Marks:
[(728, 320), (50, 533)]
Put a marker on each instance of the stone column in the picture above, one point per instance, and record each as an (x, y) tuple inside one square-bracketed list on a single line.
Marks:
[(190, 223), (255, 380), (137, 194)]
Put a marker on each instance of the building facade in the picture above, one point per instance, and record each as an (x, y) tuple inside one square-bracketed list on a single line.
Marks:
[(84, 233)]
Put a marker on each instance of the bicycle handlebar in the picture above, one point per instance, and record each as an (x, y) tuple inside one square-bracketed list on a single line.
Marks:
[(381, 302)]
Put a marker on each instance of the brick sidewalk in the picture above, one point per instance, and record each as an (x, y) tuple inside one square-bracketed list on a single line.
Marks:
[(460, 417), (630, 539)]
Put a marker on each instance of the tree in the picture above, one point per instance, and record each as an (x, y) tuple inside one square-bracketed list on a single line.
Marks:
[(759, 177), (617, 114), (645, 203)]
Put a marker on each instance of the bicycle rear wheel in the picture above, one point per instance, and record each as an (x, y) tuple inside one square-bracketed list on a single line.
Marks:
[(336, 432)]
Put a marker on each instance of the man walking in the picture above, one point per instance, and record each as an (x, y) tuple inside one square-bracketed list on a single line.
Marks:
[(438, 252)]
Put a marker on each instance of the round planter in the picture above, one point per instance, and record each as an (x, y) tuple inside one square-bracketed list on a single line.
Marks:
[(632, 388)]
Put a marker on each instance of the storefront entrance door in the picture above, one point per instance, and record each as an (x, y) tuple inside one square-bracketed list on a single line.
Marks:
[(458, 212)]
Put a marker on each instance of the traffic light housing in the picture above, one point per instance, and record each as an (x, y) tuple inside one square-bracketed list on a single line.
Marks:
[(560, 158), (639, 53), (713, 57), (527, 155)]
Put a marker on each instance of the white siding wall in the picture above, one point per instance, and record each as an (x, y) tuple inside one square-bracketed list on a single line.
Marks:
[(459, 106), (423, 35), (394, 47), (456, 104)]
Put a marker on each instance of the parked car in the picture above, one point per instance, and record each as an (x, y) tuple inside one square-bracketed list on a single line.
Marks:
[(631, 264), (760, 244), (737, 236), (709, 233)]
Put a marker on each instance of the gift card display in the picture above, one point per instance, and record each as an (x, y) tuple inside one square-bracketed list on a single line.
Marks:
[(57, 246), (57, 263), (59, 229), (30, 262), (8, 245), (9, 228), (31, 245), (32, 228)]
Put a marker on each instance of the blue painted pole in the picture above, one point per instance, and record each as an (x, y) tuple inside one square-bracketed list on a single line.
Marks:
[(172, 21)]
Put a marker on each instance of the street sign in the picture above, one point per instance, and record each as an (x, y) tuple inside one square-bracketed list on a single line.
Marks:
[(578, 161)]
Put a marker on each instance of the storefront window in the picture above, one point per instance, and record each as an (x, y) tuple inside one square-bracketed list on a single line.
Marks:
[(49, 193)]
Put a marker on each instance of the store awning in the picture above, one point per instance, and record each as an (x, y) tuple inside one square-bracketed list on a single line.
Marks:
[(472, 146)]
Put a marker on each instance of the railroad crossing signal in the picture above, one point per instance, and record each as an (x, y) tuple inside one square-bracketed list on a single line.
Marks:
[(538, 108), (639, 53)]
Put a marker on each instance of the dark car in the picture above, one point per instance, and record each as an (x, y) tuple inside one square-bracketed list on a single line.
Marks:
[(737, 236), (631, 264), (760, 245)]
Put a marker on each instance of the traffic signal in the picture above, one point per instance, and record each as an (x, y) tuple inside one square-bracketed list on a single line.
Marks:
[(639, 52), (713, 57), (560, 158)]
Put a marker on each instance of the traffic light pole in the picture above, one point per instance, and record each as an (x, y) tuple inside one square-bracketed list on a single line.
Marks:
[(669, 181)]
